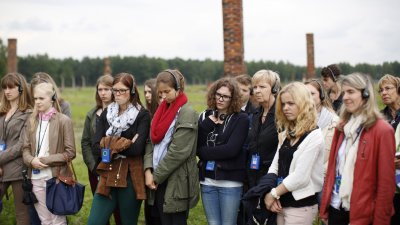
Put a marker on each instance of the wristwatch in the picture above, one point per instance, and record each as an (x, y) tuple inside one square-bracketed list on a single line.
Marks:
[(274, 194)]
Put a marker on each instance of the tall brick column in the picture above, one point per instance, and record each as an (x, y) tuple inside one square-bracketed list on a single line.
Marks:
[(107, 67), (233, 38), (310, 56), (12, 60)]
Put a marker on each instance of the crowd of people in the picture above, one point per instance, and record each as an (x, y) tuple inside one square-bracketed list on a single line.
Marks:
[(259, 153)]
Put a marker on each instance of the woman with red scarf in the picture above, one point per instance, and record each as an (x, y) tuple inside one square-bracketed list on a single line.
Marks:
[(170, 165)]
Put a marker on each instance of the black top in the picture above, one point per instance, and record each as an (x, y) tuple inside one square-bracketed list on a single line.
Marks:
[(389, 118), (263, 140), (222, 143), (338, 103), (141, 126), (285, 159)]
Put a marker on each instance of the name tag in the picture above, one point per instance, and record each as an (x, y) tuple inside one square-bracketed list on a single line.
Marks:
[(210, 165), (105, 155), (3, 147), (35, 171), (338, 180), (255, 162)]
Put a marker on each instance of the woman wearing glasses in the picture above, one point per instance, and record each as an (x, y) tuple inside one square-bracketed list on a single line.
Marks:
[(222, 166), (170, 164), (389, 90), (120, 139), (360, 179), (298, 164)]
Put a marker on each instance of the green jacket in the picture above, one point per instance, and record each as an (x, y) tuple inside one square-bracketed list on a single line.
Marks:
[(88, 139), (179, 165)]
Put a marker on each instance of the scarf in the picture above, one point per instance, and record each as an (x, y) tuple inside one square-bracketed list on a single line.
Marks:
[(325, 118), (48, 115), (352, 131), (164, 116), (120, 123)]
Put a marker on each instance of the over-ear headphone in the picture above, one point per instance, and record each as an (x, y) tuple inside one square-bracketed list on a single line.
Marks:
[(220, 116), (322, 90), (333, 75), (54, 96), (275, 88), (365, 91), (177, 86), (19, 80)]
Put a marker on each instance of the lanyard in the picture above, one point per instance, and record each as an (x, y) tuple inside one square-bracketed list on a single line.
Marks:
[(40, 142), (5, 125)]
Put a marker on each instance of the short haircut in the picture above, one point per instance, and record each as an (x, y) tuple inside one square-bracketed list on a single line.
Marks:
[(331, 71)]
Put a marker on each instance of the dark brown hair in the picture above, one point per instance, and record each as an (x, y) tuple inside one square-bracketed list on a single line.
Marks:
[(128, 80), (244, 79), (235, 103), (332, 71), (152, 107), (106, 80), (12, 80)]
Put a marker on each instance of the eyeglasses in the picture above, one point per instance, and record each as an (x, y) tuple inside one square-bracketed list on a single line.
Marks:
[(387, 89), (119, 91), (222, 97)]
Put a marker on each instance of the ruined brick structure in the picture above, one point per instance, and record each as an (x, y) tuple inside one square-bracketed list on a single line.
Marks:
[(310, 56), (107, 67), (12, 60), (233, 38)]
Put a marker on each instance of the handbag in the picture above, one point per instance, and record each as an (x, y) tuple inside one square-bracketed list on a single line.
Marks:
[(64, 194)]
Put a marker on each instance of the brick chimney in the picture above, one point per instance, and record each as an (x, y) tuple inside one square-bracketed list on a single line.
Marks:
[(12, 60), (233, 38), (310, 56), (107, 67)]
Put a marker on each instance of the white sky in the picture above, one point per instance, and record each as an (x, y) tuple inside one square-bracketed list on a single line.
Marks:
[(353, 31)]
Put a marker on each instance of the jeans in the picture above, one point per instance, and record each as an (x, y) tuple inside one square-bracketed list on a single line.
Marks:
[(221, 204)]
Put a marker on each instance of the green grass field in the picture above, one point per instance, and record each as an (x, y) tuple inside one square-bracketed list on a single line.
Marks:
[(82, 100)]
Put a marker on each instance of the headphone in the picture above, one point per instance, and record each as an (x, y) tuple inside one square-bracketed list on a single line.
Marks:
[(275, 88), (20, 88), (333, 75), (322, 90), (54, 96), (221, 116), (365, 91), (177, 86)]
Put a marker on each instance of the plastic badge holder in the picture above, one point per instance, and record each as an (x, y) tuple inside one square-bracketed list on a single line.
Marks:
[(105, 155)]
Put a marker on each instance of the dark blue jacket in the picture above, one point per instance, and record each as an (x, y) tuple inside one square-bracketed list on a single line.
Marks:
[(228, 154)]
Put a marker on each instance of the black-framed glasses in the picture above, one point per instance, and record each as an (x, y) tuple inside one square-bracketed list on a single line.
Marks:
[(119, 91), (222, 97), (387, 89)]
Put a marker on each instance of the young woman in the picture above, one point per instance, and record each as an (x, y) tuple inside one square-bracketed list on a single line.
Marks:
[(327, 118), (151, 96), (103, 98), (121, 134), (41, 77), (15, 109), (298, 163), (359, 184), (263, 137), (170, 166), (48, 142), (222, 167), (389, 90)]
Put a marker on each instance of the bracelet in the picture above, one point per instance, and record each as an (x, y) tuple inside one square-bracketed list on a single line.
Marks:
[(274, 194), (30, 163)]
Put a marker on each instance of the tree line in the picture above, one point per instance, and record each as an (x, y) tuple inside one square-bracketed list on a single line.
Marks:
[(73, 72)]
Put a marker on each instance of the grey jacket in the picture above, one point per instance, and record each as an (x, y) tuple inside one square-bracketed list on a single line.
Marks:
[(179, 166), (11, 159)]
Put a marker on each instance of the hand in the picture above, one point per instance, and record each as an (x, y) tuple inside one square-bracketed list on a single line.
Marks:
[(149, 180), (268, 200), (276, 206), (397, 163), (36, 164)]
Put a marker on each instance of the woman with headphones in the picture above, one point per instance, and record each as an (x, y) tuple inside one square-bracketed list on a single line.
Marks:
[(389, 90), (15, 109), (223, 130), (360, 179), (170, 164), (326, 116), (119, 145), (263, 136)]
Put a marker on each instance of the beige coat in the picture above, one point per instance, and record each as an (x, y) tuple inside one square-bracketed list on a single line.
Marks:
[(11, 159), (61, 141)]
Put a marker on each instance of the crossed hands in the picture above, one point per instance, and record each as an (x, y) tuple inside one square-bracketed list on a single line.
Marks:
[(272, 204), (149, 180), (36, 164)]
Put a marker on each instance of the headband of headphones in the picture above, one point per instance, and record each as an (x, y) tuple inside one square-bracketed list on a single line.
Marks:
[(177, 85)]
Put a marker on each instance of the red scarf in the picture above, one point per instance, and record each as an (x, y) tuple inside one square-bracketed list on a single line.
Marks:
[(164, 116)]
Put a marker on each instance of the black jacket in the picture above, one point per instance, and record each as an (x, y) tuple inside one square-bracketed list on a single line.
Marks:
[(228, 154)]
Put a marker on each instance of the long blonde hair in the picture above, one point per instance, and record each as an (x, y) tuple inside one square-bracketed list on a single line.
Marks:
[(306, 119), (369, 110), (50, 91)]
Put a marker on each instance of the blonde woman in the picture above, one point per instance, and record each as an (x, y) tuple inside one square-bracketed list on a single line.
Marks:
[(298, 163), (48, 142)]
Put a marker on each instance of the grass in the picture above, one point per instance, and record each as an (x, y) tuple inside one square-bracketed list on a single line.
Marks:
[(81, 101)]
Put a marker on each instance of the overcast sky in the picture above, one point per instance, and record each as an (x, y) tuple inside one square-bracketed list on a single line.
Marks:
[(353, 31)]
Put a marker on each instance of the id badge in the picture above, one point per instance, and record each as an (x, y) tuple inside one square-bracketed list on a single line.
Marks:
[(279, 181), (35, 171), (105, 155), (338, 180), (3, 146), (255, 162), (210, 165)]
